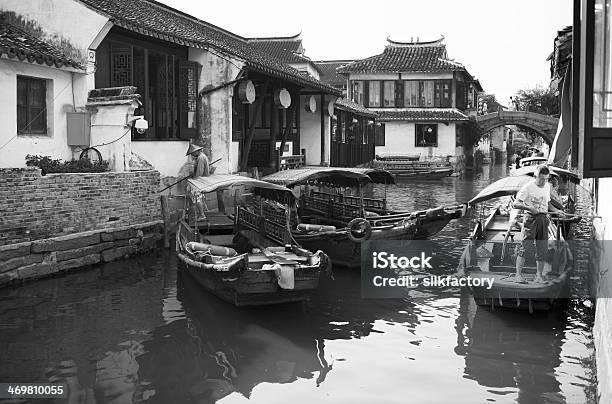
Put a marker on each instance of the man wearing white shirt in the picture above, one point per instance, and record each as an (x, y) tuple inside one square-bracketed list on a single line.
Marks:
[(534, 199)]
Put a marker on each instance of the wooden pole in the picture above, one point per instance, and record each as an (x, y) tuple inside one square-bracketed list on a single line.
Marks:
[(247, 143), (322, 130), (166, 218), (288, 128)]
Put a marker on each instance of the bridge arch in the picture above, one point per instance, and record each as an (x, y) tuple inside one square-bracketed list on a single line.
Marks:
[(543, 125)]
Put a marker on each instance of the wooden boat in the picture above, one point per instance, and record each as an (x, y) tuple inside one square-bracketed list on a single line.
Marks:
[(403, 167), (250, 268), (333, 218), (489, 254)]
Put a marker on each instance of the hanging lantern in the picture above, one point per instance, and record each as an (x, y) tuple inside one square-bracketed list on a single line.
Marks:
[(246, 92), (282, 98), (311, 104), (329, 107)]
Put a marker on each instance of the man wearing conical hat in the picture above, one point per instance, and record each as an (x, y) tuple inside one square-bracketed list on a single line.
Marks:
[(198, 157)]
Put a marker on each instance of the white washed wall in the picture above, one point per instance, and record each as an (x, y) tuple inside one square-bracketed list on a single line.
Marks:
[(59, 100), (399, 139)]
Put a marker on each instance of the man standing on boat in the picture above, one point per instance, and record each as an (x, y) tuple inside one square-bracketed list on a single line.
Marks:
[(534, 199)]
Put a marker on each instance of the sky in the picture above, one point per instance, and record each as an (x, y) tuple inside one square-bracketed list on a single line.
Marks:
[(503, 43)]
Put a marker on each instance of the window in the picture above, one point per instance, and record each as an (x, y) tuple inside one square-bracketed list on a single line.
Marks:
[(427, 93), (426, 135), (446, 94), (411, 93), (358, 92), (459, 136), (379, 134), (374, 94), (389, 94), (166, 81), (31, 105)]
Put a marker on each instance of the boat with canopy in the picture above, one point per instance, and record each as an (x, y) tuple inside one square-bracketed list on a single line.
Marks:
[(490, 254), (332, 200), (244, 258)]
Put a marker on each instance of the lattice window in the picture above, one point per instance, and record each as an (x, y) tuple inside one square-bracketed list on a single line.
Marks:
[(188, 88), (121, 65)]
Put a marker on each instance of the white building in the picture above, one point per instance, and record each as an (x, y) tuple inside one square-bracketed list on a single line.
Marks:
[(421, 95), (195, 82)]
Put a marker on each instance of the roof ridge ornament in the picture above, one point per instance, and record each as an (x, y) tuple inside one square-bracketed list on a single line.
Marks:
[(393, 43)]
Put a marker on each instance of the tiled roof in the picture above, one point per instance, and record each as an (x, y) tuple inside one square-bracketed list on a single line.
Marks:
[(150, 18), (346, 105), (425, 115), (17, 44), (399, 57), (328, 71), (285, 49)]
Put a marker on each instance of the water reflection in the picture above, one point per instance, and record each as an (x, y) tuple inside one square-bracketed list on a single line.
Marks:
[(138, 331), (502, 350)]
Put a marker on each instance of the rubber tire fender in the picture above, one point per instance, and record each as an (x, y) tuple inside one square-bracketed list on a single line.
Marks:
[(359, 226)]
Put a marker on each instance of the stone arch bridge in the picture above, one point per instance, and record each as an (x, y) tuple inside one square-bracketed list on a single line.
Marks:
[(543, 125)]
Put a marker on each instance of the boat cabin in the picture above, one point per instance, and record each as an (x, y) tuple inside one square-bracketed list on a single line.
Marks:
[(218, 206)]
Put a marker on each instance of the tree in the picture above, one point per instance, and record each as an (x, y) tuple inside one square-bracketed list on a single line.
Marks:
[(538, 99)]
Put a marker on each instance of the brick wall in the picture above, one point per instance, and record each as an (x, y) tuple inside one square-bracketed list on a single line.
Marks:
[(34, 207)]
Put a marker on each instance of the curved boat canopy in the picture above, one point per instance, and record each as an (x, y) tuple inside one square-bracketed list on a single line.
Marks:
[(533, 160), (213, 183), (530, 170), (503, 187), (334, 175)]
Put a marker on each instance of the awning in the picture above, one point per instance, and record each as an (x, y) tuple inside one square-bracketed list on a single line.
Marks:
[(530, 170), (334, 175), (503, 187), (203, 185)]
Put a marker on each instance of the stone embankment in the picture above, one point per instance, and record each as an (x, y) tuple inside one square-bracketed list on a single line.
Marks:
[(45, 257)]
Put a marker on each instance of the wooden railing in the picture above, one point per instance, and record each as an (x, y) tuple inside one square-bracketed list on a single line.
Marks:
[(267, 220), (373, 204)]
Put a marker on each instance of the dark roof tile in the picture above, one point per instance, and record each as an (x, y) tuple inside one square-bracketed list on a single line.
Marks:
[(157, 20), (406, 57), (346, 105), (425, 115), (18, 44), (329, 74)]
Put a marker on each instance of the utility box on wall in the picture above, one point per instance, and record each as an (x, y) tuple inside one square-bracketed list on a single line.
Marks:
[(78, 128)]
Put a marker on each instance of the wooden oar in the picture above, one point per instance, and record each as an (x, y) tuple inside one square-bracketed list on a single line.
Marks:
[(184, 178)]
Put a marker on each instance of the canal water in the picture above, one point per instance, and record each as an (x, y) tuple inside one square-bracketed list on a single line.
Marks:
[(139, 331)]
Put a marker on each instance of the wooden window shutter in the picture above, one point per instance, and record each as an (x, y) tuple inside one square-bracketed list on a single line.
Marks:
[(366, 93), (189, 98), (399, 93), (437, 93)]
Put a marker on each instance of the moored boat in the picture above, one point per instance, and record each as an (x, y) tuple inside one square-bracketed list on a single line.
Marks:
[(408, 167), (248, 268), (489, 254), (337, 217)]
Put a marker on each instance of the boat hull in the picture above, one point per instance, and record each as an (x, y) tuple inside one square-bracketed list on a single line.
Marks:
[(244, 287), (414, 174), (509, 294), (345, 252)]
